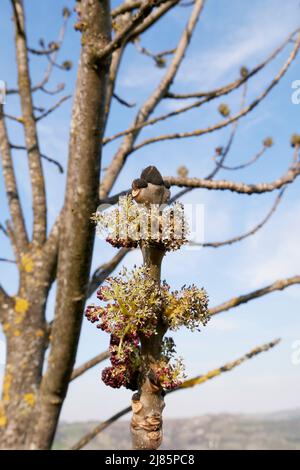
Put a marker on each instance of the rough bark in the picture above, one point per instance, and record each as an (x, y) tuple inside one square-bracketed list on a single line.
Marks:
[(76, 229), (30, 129), (148, 402), (23, 321)]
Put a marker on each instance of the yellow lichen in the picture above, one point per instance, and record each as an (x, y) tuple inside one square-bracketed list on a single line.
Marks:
[(3, 419), (39, 333), (6, 326), (21, 305), (6, 386), (29, 398), (17, 333), (27, 263)]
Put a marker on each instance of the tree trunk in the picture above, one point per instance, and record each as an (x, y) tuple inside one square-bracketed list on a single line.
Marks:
[(76, 228), (148, 402), (26, 339)]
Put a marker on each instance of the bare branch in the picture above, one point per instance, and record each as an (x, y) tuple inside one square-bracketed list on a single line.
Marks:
[(53, 108), (113, 72), (60, 87), (241, 188), (224, 155), (114, 199), (105, 270), (224, 90), (3, 229), (123, 102), (280, 284), (252, 160), (89, 436), (254, 230), (6, 260), (198, 380), (89, 364), (54, 46), (137, 18), (31, 138), (126, 8), (45, 157), (230, 120), (187, 4), (151, 103), (41, 85), (158, 57), (11, 187), (152, 19), (206, 97)]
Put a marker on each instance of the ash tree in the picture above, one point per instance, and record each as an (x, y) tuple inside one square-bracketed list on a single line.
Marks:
[(135, 308)]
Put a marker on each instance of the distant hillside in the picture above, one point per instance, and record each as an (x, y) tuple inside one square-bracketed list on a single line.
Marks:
[(279, 430)]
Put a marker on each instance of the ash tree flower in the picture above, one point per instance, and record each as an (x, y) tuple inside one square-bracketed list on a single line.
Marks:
[(137, 309), (130, 305), (130, 224)]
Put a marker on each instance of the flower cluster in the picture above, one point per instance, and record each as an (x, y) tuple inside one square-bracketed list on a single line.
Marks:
[(125, 362), (169, 371), (130, 223), (187, 307), (170, 375), (130, 305)]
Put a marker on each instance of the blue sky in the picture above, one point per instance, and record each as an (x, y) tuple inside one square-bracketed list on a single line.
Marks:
[(229, 34)]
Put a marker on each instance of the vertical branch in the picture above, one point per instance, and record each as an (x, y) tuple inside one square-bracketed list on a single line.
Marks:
[(151, 103), (14, 203), (76, 229), (148, 402), (30, 128)]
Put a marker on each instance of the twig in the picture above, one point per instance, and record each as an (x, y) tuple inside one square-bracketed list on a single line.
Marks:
[(105, 270), (123, 102), (137, 18), (126, 8), (243, 165), (254, 230), (53, 108), (10, 181), (241, 188), (205, 96), (45, 157), (198, 380), (226, 122), (280, 284), (89, 364), (31, 138), (150, 104), (6, 260)]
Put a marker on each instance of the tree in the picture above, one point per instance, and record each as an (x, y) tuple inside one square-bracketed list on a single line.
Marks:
[(41, 355)]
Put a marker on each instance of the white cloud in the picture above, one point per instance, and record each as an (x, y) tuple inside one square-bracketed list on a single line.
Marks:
[(245, 44)]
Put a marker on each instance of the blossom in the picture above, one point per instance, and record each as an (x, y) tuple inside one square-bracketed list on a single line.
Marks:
[(130, 224), (130, 305)]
